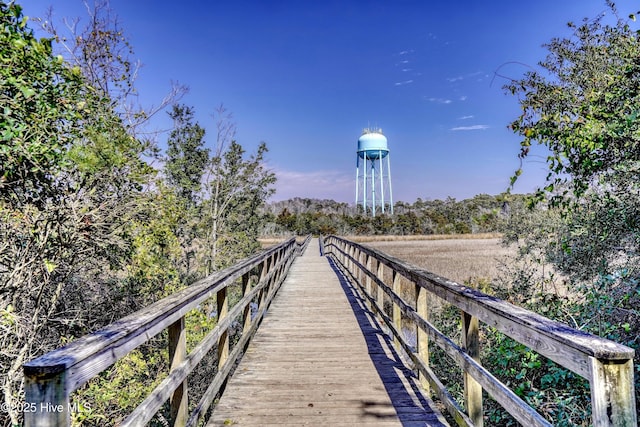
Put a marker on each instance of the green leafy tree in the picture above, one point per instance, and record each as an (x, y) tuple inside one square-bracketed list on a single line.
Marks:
[(583, 106), (286, 219), (71, 175), (38, 88), (186, 156), (185, 165), (237, 189), (41, 110)]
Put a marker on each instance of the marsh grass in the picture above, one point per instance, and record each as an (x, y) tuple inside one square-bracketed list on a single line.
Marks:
[(464, 260)]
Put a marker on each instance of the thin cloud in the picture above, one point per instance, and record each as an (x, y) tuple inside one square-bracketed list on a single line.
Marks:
[(464, 77), (440, 100), (474, 127), (406, 52), (406, 82), (466, 117)]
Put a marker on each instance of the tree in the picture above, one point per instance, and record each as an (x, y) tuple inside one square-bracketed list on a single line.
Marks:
[(186, 157), (40, 97), (103, 54), (70, 180), (286, 220), (585, 111), (237, 188), (37, 88), (584, 107), (185, 164)]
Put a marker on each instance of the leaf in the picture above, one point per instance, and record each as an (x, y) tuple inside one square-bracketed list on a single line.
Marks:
[(50, 266), (27, 92)]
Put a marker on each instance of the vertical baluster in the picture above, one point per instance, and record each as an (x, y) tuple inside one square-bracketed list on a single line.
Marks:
[(396, 312), (45, 391), (472, 389), (246, 314), (369, 285), (612, 393), (177, 354), (422, 338), (264, 293), (380, 291), (223, 342)]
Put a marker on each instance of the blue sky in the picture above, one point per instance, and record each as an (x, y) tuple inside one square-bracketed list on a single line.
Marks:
[(306, 77)]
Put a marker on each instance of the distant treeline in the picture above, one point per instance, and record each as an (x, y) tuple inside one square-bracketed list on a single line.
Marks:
[(481, 214)]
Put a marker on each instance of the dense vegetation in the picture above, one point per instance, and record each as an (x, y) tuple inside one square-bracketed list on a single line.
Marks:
[(480, 214), (91, 231)]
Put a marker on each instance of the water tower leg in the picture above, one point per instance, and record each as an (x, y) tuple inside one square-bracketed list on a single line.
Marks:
[(381, 181), (389, 179), (357, 177), (364, 187), (373, 187)]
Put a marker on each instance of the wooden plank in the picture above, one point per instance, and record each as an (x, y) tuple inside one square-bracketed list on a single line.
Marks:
[(318, 360)]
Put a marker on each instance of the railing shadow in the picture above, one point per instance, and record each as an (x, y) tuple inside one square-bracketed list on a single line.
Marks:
[(411, 407)]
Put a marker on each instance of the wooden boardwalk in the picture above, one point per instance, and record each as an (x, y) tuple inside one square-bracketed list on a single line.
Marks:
[(319, 359)]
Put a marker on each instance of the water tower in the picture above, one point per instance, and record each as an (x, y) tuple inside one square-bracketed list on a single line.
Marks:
[(373, 178)]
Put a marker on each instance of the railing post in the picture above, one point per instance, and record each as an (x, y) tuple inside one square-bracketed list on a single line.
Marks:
[(380, 291), (422, 338), (223, 341), (368, 281), (362, 272), (177, 355), (47, 400), (264, 271), (472, 389), (396, 312), (246, 314), (612, 393)]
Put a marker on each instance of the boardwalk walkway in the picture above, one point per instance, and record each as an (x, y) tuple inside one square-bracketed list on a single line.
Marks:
[(319, 360)]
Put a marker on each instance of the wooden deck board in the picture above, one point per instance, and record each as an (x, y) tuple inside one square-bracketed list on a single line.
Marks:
[(318, 359)]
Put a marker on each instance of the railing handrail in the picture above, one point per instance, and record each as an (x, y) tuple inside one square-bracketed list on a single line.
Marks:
[(604, 363), (51, 378), (302, 246)]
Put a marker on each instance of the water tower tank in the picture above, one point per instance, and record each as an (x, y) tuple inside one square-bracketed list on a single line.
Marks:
[(373, 173), (372, 144)]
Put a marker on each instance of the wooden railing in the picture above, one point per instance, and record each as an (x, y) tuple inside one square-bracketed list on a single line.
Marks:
[(607, 366), (50, 379)]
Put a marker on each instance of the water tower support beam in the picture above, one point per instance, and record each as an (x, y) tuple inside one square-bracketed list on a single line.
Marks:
[(373, 187), (381, 181), (390, 188), (364, 186), (357, 176)]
